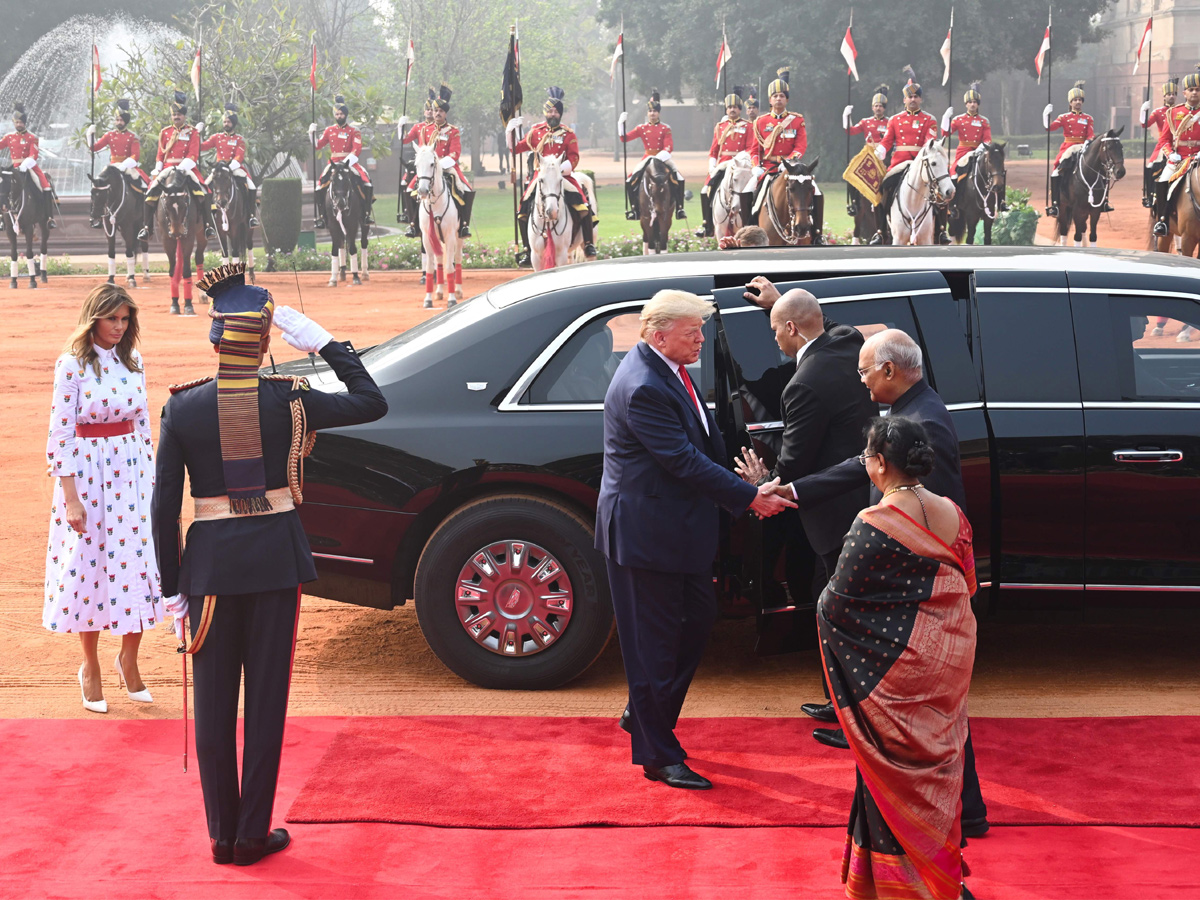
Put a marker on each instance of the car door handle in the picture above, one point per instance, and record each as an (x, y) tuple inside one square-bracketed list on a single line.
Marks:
[(1148, 456)]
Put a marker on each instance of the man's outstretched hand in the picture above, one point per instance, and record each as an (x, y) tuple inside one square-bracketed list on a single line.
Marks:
[(750, 467), (768, 503)]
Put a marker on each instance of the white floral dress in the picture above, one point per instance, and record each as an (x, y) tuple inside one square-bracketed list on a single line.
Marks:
[(107, 578)]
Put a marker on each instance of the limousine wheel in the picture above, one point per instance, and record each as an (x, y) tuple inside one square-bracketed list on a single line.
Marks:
[(511, 594)]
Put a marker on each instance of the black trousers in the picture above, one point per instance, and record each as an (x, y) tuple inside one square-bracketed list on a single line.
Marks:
[(663, 621), (254, 633)]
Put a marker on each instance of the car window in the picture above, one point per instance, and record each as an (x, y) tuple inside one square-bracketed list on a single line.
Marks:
[(1157, 344), (1028, 347)]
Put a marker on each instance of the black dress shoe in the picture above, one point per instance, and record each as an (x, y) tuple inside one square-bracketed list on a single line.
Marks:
[(222, 851), (248, 851), (625, 721), (831, 737), (678, 776), (822, 712), (974, 828)]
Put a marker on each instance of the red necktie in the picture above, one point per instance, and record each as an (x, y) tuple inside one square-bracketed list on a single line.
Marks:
[(687, 383)]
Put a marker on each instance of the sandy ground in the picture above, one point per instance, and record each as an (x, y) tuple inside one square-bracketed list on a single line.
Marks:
[(356, 661)]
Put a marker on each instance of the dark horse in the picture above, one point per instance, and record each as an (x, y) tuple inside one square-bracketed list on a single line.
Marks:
[(120, 209), (24, 208), (792, 213), (345, 216), (867, 218), (231, 214), (657, 207), (979, 194), (180, 222), (1098, 166)]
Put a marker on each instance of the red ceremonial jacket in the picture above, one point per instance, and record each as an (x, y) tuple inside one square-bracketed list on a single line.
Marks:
[(972, 131), (874, 128), (447, 142), (1076, 128), (778, 137), (342, 141), (731, 137), (228, 147), (655, 138), (20, 146), (176, 145), (419, 133), (122, 145), (1183, 130), (544, 141), (907, 133)]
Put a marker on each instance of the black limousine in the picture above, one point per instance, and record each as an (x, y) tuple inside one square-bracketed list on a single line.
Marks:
[(1072, 376)]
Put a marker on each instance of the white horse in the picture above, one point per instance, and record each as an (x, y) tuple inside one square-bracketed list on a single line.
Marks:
[(439, 228), (727, 204), (926, 183), (553, 234)]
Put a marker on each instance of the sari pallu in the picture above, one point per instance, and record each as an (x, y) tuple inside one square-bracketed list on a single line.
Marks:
[(898, 642)]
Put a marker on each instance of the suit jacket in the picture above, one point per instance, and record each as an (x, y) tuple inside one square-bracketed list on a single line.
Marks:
[(245, 554), (919, 402), (826, 408), (663, 476)]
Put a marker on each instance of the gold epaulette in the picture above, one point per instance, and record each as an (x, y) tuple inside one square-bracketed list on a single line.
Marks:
[(176, 388), (299, 381)]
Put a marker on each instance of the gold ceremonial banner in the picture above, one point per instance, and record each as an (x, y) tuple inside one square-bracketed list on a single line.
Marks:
[(865, 174)]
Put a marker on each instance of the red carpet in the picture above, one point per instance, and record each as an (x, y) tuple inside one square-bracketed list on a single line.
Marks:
[(502, 772), (99, 808)]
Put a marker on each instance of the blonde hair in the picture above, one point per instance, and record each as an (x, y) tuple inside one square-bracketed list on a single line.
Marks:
[(665, 308), (100, 303)]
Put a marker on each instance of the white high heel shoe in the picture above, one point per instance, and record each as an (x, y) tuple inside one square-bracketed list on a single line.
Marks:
[(97, 706), (142, 696)]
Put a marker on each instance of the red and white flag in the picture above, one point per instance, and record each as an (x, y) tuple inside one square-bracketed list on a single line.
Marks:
[(196, 73), (410, 56), (723, 55), (312, 70), (617, 54), (1147, 38), (849, 51), (96, 79), (945, 51), (1041, 54)]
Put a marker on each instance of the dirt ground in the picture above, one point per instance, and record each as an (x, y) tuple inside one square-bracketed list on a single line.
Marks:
[(355, 661)]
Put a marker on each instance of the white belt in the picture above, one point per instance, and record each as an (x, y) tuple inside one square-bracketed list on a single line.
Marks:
[(209, 509)]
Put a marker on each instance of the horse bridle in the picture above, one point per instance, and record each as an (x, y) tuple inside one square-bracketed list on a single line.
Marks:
[(542, 197), (110, 226), (430, 197), (984, 196), (935, 196), (1106, 171)]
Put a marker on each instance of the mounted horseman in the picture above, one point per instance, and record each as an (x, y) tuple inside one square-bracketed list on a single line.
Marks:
[(1182, 144), (907, 132), (779, 135), (1078, 128), (418, 135), (872, 128), (124, 150), (345, 144), (551, 138), (230, 149), (978, 168), (731, 136), (23, 151), (446, 140), (657, 143), (178, 149), (1157, 120), (119, 192), (973, 130)]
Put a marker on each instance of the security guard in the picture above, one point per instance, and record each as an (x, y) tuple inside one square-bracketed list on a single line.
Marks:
[(22, 147), (780, 135), (1077, 128), (657, 142), (241, 438), (874, 127), (345, 143), (231, 149), (419, 135), (447, 147), (731, 136), (973, 129)]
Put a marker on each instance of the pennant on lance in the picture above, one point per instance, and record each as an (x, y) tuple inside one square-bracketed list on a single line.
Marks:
[(849, 51), (196, 73), (617, 54), (945, 51), (1041, 54), (723, 55), (1143, 43)]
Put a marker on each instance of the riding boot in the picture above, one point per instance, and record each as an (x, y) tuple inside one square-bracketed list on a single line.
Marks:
[(525, 256), (147, 231), (1052, 209), (54, 209), (588, 229), (209, 231), (1160, 208), (1147, 187), (319, 221), (747, 199), (252, 193), (464, 227), (680, 213), (631, 194), (705, 230), (939, 217), (368, 202)]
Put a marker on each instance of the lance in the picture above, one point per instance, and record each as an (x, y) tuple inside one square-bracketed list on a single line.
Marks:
[(1049, 61), (517, 181), (92, 86), (1146, 125), (312, 139), (624, 109), (400, 217)]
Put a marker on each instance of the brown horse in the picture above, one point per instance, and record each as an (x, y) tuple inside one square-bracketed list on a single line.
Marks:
[(1184, 220), (180, 221), (792, 213), (1099, 166), (979, 195), (656, 205)]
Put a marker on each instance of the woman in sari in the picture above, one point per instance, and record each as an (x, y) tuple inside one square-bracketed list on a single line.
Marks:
[(898, 641)]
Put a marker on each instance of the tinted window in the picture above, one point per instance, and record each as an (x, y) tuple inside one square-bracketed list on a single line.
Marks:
[(1157, 347), (1028, 347)]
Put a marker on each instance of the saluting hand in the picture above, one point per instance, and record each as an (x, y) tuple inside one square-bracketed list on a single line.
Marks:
[(300, 331)]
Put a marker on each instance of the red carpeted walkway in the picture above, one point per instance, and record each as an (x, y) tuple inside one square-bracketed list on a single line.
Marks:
[(100, 808)]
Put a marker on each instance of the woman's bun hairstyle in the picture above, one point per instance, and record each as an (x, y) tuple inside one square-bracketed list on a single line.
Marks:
[(904, 444)]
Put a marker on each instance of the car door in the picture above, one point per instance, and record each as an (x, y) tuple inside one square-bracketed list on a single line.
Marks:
[(1139, 363), (778, 565), (1034, 409)]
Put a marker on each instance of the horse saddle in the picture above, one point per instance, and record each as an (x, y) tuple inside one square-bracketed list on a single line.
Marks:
[(1178, 177), (893, 178)]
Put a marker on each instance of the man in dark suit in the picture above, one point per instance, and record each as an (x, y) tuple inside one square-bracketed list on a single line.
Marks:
[(240, 439), (657, 524)]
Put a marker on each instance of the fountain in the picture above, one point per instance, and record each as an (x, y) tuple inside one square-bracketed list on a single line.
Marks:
[(52, 78)]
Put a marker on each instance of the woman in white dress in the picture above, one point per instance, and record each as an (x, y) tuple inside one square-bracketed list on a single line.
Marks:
[(101, 574)]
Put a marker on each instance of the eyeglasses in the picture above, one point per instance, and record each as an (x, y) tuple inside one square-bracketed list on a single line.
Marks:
[(862, 372), (864, 456)]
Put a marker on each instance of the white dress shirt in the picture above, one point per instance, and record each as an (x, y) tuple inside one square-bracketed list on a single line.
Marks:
[(674, 367)]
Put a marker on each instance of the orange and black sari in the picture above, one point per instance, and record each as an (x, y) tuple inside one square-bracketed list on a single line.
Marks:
[(898, 640)]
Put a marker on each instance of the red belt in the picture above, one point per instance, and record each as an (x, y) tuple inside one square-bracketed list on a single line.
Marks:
[(104, 429)]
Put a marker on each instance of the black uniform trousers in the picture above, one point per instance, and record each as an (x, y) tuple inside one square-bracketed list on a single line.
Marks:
[(255, 633), (663, 622)]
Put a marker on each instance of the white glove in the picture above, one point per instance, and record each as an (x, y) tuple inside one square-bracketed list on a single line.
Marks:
[(513, 124), (757, 172), (1046, 115), (621, 120), (663, 155), (200, 127), (351, 158), (127, 164), (880, 151), (567, 168), (712, 167), (91, 130), (187, 164), (846, 113), (946, 117), (28, 163), (234, 165), (157, 168), (1145, 112), (177, 606), (1174, 158), (312, 128), (447, 162), (404, 120), (300, 331)]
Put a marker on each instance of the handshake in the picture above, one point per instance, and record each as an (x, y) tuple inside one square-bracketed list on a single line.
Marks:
[(772, 497)]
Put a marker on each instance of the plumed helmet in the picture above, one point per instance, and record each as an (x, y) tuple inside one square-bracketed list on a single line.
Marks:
[(880, 96), (1170, 86), (911, 87), (339, 105), (18, 112), (781, 85), (554, 106), (442, 101), (179, 103), (654, 104), (231, 113), (735, 97), (1076, 92), (972, 95), (123, 110), (752, 96), (431, 100), (1192, 81)]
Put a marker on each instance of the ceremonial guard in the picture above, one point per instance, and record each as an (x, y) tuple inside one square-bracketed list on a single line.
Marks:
[(241, 439), (447, 145), (1077, 128), (178, 147), (552, 138), (231, 149), (124, 149), (779, 135), (345, 143), (1183, 136), (658, 143), (1158, 121), (874, 127), (731, 136), (973, 130), (419, 135), (906, 134), (22, 147), (751, 105)]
